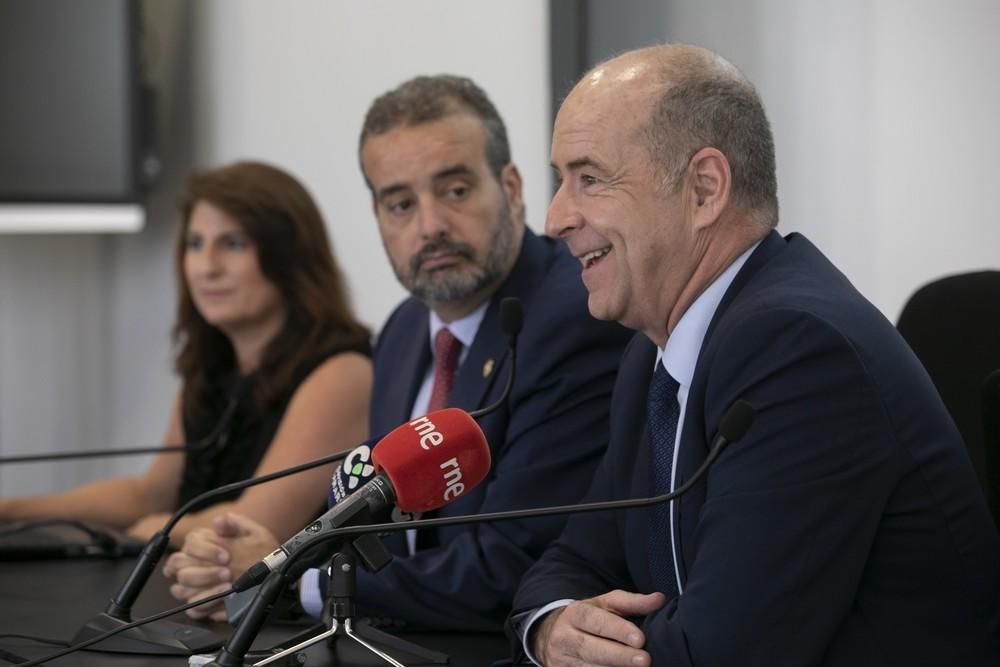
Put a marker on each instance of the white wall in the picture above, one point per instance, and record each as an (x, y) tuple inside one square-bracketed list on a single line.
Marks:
[(49, 366), (886, 122), (84, 321), (884, 113), (290, 82)]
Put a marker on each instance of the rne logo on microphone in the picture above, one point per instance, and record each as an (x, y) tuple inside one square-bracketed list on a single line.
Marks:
[(429, 435), (452, 479)]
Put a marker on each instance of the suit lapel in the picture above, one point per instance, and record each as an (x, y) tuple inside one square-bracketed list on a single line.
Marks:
[(769, 246), (637, 366), (694, 438), (485, 357)]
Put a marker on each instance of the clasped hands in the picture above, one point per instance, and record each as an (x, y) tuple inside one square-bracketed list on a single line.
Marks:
[(212, 558)]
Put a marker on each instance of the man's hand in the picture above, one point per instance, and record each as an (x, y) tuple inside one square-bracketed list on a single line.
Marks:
[(212, 557), (592, 633)]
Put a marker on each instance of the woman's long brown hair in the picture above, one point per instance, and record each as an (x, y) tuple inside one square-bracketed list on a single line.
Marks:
[(294, 253)]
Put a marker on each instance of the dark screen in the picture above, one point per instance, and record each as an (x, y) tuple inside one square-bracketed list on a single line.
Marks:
[(66, 100)]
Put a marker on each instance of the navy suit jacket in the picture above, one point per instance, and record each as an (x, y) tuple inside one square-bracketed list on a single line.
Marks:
[(545, 442), (846, 527)]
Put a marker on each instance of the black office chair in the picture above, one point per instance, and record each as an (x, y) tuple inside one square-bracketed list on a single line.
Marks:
[(953, 326), (991, 431)]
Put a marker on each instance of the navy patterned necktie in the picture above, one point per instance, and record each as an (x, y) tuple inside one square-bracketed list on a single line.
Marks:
[(662, 413)]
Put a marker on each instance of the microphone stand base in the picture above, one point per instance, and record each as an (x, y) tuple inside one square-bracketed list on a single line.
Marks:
[(405, 651), (364, 647), (159, 638)]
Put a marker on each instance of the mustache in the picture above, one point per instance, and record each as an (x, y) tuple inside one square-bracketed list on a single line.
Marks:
[(438, 246)]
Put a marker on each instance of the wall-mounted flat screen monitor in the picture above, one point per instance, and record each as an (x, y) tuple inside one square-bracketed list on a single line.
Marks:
[(70, 103)]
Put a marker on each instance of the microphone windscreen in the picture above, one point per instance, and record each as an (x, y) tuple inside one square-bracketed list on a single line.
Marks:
[(433, 459), (356, 469), (511, 316), (736, 422)]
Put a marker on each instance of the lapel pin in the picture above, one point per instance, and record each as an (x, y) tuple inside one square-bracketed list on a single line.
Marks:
[(487, 368)]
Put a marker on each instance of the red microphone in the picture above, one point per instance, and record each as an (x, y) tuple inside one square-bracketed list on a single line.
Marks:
[(433, 459), (421, 466)]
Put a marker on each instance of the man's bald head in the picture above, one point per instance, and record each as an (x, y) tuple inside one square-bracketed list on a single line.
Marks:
[(688, 98)]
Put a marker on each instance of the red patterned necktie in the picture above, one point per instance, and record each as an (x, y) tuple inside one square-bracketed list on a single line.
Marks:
[(447, 349)]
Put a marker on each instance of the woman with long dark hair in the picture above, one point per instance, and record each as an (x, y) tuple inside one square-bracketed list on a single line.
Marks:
[(274, 366)]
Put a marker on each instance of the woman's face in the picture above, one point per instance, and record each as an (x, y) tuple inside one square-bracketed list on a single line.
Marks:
[(223, 274)]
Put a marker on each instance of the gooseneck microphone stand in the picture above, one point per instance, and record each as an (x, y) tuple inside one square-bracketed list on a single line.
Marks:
[(732, 427), (168, 637)]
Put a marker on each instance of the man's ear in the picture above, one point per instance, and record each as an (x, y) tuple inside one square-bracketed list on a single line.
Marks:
[(711, 183), (510, 181)]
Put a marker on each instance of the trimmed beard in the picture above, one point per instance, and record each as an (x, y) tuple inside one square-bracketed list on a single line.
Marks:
[(450, 284)]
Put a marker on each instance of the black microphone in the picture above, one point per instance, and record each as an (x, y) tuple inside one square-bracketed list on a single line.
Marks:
[(511, 318), (511, 321), (214, 437)]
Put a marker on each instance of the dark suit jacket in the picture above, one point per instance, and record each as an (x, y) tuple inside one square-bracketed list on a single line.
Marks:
[(846, 527), (545, 443)]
